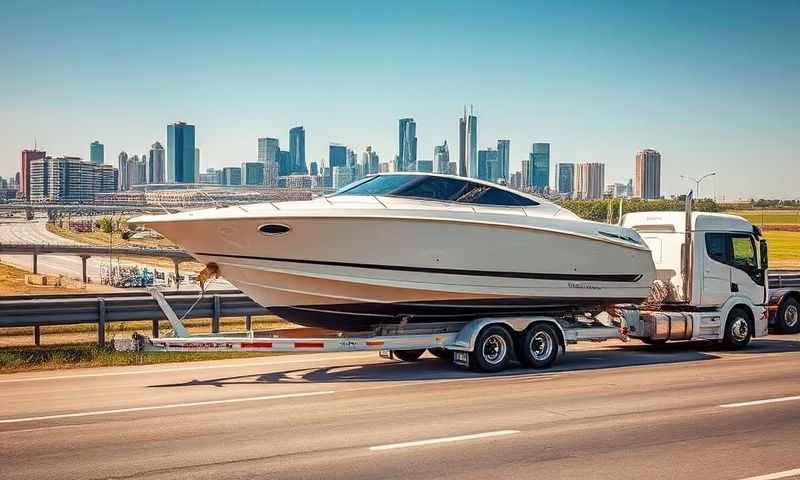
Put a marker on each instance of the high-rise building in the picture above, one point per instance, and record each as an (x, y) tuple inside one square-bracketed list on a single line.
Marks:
[(441, 158), (565, 178), (297, 150), (407, 156), (487, 164), (503, 157), (462, 145), (155, 164), (69, 179), (540, 165), (97, 153), (136, 171), (452, 168), (231, 176), (472, 144), (313, 169), (371, 161), (181, 153), (268, 149), (25, 171), (337, 155), (211, 177), (196, 165), (341, 176), (122, 165), (253, 173), (284, 163), (647, 179), (425, 166), (526, 179), (589, 180)]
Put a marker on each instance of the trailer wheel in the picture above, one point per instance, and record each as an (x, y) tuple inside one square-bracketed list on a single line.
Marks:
[(408, 355), (788, 316), (493, 350), (442, 353), (738, 329), (540, 346)]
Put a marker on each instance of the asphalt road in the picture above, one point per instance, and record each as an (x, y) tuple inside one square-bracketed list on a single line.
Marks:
[(605, 412)]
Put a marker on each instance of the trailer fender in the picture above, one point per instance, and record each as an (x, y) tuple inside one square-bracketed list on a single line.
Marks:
[(465, 340)]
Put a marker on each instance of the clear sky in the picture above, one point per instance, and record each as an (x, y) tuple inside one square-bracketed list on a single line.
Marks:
[(712, 85)]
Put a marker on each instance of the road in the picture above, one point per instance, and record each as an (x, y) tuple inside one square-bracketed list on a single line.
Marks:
[(605, 412), (21, 231)]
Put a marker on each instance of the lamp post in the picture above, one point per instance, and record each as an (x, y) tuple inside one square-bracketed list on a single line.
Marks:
[(697, 181)]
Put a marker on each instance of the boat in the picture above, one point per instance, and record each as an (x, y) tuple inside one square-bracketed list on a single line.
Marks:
[(413, 247)]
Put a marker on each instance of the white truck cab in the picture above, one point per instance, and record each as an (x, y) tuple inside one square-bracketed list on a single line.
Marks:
[(715, 265)]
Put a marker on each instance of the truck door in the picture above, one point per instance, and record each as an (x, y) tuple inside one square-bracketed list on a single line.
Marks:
[(747, 277), (716, 269)]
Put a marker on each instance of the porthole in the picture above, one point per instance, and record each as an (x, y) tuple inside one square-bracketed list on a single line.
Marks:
[(274, 229)]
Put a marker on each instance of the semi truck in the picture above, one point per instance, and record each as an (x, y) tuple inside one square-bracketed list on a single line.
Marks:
[(711, 286)]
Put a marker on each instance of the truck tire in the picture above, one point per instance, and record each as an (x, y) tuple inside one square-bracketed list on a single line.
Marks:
[(493, 350), (540, 346), (408, 355), (787, 318), (442, 353), (738, 329)]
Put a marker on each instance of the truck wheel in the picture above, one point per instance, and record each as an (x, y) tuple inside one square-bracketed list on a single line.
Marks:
[(788, 317), (493, 350), (442, 353), (408, 355), (737, 329), (540, 346)]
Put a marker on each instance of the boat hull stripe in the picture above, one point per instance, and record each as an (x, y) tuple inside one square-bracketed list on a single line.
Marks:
[(588, 277)]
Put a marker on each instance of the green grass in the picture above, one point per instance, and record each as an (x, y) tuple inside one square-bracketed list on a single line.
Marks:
[(770, 217), (75, 356), (784, 249)]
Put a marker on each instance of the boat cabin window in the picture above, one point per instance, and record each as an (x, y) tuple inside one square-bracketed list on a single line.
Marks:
[(436, 188)]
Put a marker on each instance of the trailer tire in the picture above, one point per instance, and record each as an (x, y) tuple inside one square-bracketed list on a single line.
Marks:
[(493, 350), (442, 353), (540, 346), (738, 329), (408, 355), (788, 316)]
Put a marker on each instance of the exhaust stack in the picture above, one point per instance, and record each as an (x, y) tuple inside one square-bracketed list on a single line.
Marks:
[(687, 270)]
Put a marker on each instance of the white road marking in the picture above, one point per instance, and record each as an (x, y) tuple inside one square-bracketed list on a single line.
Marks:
[(434, 441), (777, 475), (178, 369), (760, 402), (170, 405)]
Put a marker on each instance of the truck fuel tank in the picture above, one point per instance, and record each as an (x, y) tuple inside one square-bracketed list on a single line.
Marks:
[(655, 325)]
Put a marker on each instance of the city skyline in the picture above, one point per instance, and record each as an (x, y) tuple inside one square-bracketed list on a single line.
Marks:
[(718, 93)]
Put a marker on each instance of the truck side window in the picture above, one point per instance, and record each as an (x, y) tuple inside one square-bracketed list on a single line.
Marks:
[(744, 253), (717, 247)]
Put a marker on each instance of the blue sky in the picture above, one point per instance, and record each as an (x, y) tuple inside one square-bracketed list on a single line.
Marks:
[(712, 85)]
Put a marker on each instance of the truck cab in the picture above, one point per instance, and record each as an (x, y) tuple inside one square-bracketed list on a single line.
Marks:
[(713, 268)]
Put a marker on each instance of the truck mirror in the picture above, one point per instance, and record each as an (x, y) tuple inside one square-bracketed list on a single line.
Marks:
[(764, 258)]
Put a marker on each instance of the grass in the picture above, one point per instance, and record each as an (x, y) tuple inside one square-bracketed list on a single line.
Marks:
[(770, 217), (77, 356), (12, 282), (784, 249)]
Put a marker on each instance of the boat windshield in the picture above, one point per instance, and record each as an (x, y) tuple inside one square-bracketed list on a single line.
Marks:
[(436, 188)]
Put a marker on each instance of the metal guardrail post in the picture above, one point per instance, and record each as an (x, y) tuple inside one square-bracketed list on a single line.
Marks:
[(35, 264), (84, 277), (101, 322), (248, 323), (155, 329), (37, 337), (217, 313)]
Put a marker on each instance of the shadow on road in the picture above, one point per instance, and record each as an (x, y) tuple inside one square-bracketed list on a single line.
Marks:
[(430, 368)]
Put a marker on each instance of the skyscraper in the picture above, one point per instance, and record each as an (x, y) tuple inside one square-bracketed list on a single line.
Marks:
[(25, 171), (589, 180), (371, 161), (647, 179), (180, 153), (407, 156), (284, 163), (565, 178), (472, 144), (268, 149), (337, 155), (441, 158), (231, 176), (196, 165), (297, 150), (253, 173), (96, 153), (155, 164), (122, 165), (503, 155), (487, 164), (462, 145), (313, 169), (540, 165)]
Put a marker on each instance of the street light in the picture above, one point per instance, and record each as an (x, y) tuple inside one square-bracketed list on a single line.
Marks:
[(697, 181)]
